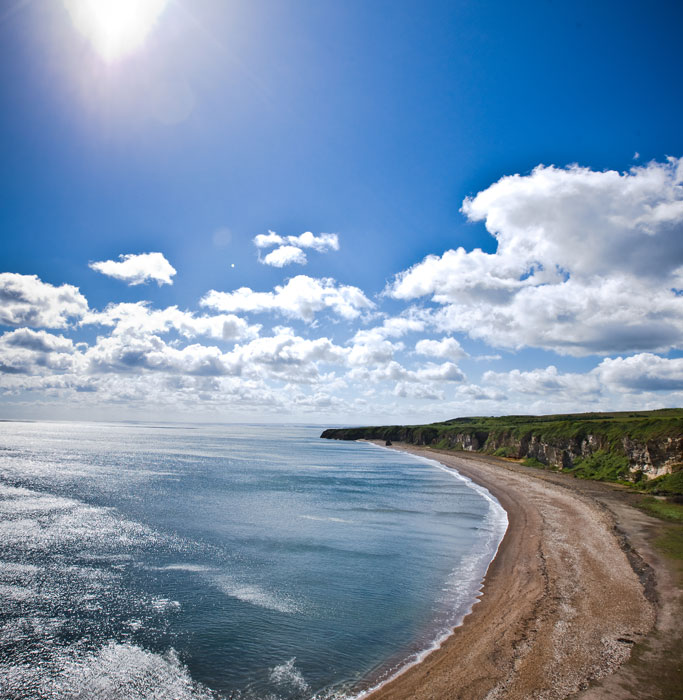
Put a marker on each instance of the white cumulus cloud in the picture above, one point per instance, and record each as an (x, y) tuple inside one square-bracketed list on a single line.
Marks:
[(642, 372), (285, 255), (301, 297), (135, 354), (395, 372), (546, 382), (289, 249), (288, 357), (137, 319), (25, 351), (447, 348), (25, 300), (586, 262), (137, 269)]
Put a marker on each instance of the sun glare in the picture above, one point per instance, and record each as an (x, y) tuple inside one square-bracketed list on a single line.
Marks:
[(115, 28)]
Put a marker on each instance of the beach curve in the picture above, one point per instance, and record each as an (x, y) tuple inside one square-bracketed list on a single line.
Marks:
[(563, 605)]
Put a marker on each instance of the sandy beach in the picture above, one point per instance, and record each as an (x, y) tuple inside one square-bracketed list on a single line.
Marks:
[(575, 589)]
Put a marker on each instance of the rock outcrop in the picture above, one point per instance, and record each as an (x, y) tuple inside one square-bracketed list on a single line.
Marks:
[(641, 444)]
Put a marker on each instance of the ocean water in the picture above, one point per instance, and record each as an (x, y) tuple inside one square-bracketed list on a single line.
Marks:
[(241, 561)]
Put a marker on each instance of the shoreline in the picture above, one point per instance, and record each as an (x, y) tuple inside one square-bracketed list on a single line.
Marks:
[(559, 611), (419, 655)]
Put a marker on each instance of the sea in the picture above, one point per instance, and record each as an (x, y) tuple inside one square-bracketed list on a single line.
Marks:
[(236, 562)]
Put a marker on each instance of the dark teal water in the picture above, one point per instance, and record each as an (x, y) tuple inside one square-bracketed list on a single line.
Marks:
[(143, 561)]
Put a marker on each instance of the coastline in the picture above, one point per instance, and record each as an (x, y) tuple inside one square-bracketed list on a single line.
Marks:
[(565, 600), (499, 527)]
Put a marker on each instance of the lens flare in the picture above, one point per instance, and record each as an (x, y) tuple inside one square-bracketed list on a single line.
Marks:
[(115, 28)]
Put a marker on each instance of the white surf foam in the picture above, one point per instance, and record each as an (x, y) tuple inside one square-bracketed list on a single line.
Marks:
[(465, 583), (116, 671), (288, 676)]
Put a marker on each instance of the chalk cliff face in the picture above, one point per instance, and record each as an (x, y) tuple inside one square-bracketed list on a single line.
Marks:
[(655, 457), (647, 445)]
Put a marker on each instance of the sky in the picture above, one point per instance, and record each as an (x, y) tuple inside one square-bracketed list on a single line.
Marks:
[(354, 212)]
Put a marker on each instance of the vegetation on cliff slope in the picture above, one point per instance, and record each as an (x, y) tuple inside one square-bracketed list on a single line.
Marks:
[(633, 446)]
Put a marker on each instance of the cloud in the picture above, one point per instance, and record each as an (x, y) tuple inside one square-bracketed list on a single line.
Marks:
[(445, 372), (29, 352), (643, 372), (418, 391), (586, 262), (395, 372), (137, 318), (289, 249), (283, 357), (321, 243), (373, 351), (447, 348), (134, 354), (287, 357), (546, 382), (285, 255), (137, 269), (638, 374), (301, 297), (391, 328), (371, 347), (27, 301), (38, 341), (266, 240)]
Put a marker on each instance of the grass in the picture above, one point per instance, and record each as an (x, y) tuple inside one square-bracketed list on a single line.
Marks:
[(601, 466), (670, 539), (612, 437), (666, 510), (667, 485), (662, 680), (670, 542), (533, 462), (610, 428), (505, 452)]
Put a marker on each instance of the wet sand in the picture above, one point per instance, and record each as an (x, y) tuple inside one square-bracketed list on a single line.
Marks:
[(565, 601)]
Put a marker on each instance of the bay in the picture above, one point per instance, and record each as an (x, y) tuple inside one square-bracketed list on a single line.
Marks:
[(230, 561)]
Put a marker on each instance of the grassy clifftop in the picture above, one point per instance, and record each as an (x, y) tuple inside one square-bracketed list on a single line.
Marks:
[(637, 446)]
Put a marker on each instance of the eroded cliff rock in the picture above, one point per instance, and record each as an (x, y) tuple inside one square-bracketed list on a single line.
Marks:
[(631, 445)]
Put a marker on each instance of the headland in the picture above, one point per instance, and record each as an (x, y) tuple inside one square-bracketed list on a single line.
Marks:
[(579, 602)]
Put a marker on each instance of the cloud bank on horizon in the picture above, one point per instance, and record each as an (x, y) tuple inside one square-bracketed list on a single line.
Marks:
[(586, 272)]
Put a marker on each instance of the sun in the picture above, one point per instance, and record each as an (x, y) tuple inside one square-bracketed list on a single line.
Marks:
[(115, 28)]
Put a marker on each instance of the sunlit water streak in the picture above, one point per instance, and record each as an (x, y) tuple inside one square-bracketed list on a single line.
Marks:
[(253, 562)]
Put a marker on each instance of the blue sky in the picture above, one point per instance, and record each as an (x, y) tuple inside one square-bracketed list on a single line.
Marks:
[(531, 149)]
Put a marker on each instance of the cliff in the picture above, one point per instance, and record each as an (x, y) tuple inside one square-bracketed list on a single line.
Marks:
[(633, 446)]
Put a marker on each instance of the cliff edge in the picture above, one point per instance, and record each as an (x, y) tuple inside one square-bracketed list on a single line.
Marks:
[(639, 446)]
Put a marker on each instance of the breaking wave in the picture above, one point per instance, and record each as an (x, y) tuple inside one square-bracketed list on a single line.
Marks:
[(113, 672)]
